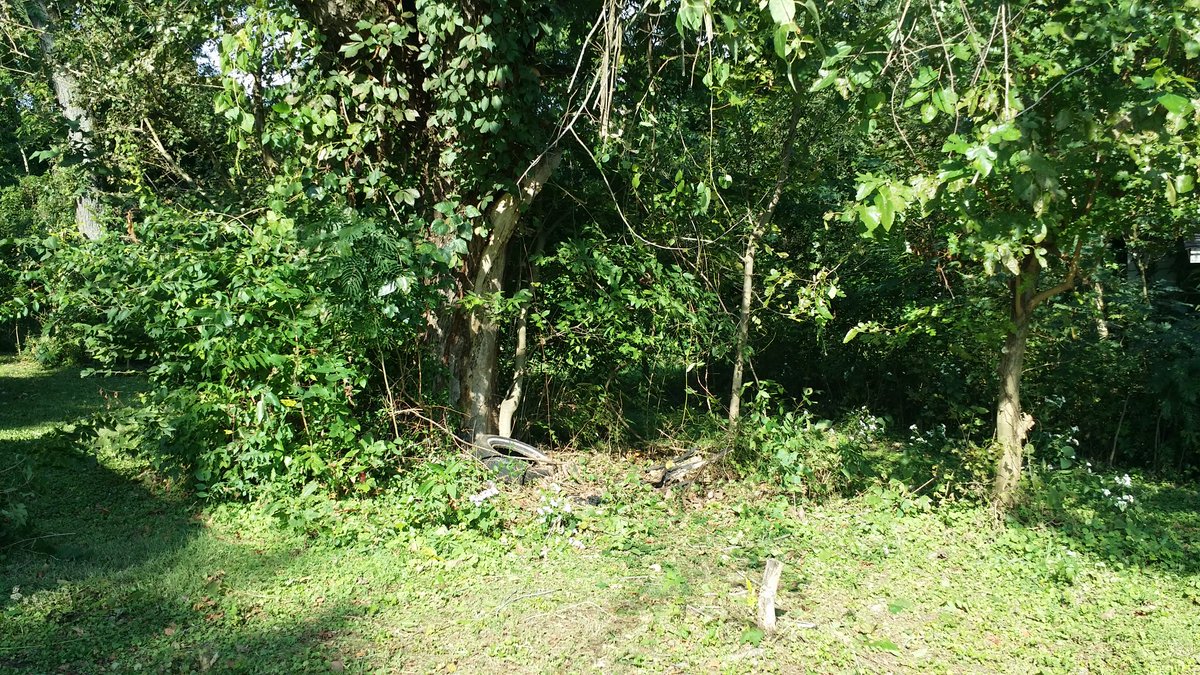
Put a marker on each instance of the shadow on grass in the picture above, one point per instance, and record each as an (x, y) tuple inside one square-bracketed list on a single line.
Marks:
[(1162, 534), (169, 616), (118, 571), (31, 397)]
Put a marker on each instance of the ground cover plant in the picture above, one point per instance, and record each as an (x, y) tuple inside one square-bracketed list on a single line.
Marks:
[(903, 295), (597, 572)]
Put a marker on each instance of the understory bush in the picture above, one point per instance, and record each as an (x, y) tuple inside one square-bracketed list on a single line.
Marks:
[(447, 494), (255, 328), (805, 456), (1103, 512), (946, 466)]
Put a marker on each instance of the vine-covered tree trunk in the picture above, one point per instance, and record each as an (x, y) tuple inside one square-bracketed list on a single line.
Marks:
[(66, 92), (478, 370)]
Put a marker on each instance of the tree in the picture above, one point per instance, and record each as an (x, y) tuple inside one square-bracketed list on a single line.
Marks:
[(65, 85), (440, 114), (1042, 128)]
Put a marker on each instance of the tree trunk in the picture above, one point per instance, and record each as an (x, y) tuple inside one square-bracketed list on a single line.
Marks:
[(1101, 312), (508, 407), (511, 402), (478, 369), (760, 227), (1012, 424), (66, 92)]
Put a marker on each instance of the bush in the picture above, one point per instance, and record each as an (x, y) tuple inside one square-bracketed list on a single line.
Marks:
[(438, 495), (947, 468), (804, 456), (1102, 512), (256, 331)]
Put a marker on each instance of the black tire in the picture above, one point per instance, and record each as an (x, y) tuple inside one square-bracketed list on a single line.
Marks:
[(513, 460), (503, 445)]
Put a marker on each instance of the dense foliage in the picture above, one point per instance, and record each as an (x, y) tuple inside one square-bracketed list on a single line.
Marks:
[(332, 234)]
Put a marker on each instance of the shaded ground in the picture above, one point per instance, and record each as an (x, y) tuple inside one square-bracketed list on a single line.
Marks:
[(144, 580)]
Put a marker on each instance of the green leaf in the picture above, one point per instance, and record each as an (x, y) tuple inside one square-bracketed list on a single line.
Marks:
[(1184, 183), (945, 100), (783, 12), (1175, 104), (691, 16), (753, 636), (782, 33), (915, 98), (884, 644), (827, 78)]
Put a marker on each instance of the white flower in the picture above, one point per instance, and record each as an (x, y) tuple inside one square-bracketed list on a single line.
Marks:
[(1107, 492), (479, 498)]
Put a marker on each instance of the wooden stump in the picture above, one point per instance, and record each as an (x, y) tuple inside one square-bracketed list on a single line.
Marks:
[(766, 595)]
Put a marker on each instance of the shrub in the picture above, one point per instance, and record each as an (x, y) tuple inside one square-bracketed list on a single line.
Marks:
[(256, 329), (804, 456)]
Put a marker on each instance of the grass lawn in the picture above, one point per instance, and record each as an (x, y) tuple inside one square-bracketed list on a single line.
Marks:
[(131, 574)]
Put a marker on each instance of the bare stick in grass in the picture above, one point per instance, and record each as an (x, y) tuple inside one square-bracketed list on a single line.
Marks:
[(766, 595)]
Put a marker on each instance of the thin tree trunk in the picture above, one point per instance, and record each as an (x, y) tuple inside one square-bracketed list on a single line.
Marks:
[(1012, 424), (66, 92), (511, 402), (508, 407), (1101, 317), (760, 227), (479, 369)]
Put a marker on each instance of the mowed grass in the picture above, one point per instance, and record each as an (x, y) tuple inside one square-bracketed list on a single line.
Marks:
[(132, 575)]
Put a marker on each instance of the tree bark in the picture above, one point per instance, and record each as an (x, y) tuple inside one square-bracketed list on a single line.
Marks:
[(66, 92), (760, 227), (511, 402), (479, 367), (1012, 424)]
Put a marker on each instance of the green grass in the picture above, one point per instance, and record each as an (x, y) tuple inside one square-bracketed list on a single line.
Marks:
[(133, 575)]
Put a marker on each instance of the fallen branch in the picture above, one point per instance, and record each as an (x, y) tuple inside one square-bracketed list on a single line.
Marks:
[(518, 598)]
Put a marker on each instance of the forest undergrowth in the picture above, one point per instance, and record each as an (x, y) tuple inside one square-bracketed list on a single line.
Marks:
[(123, 570)]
